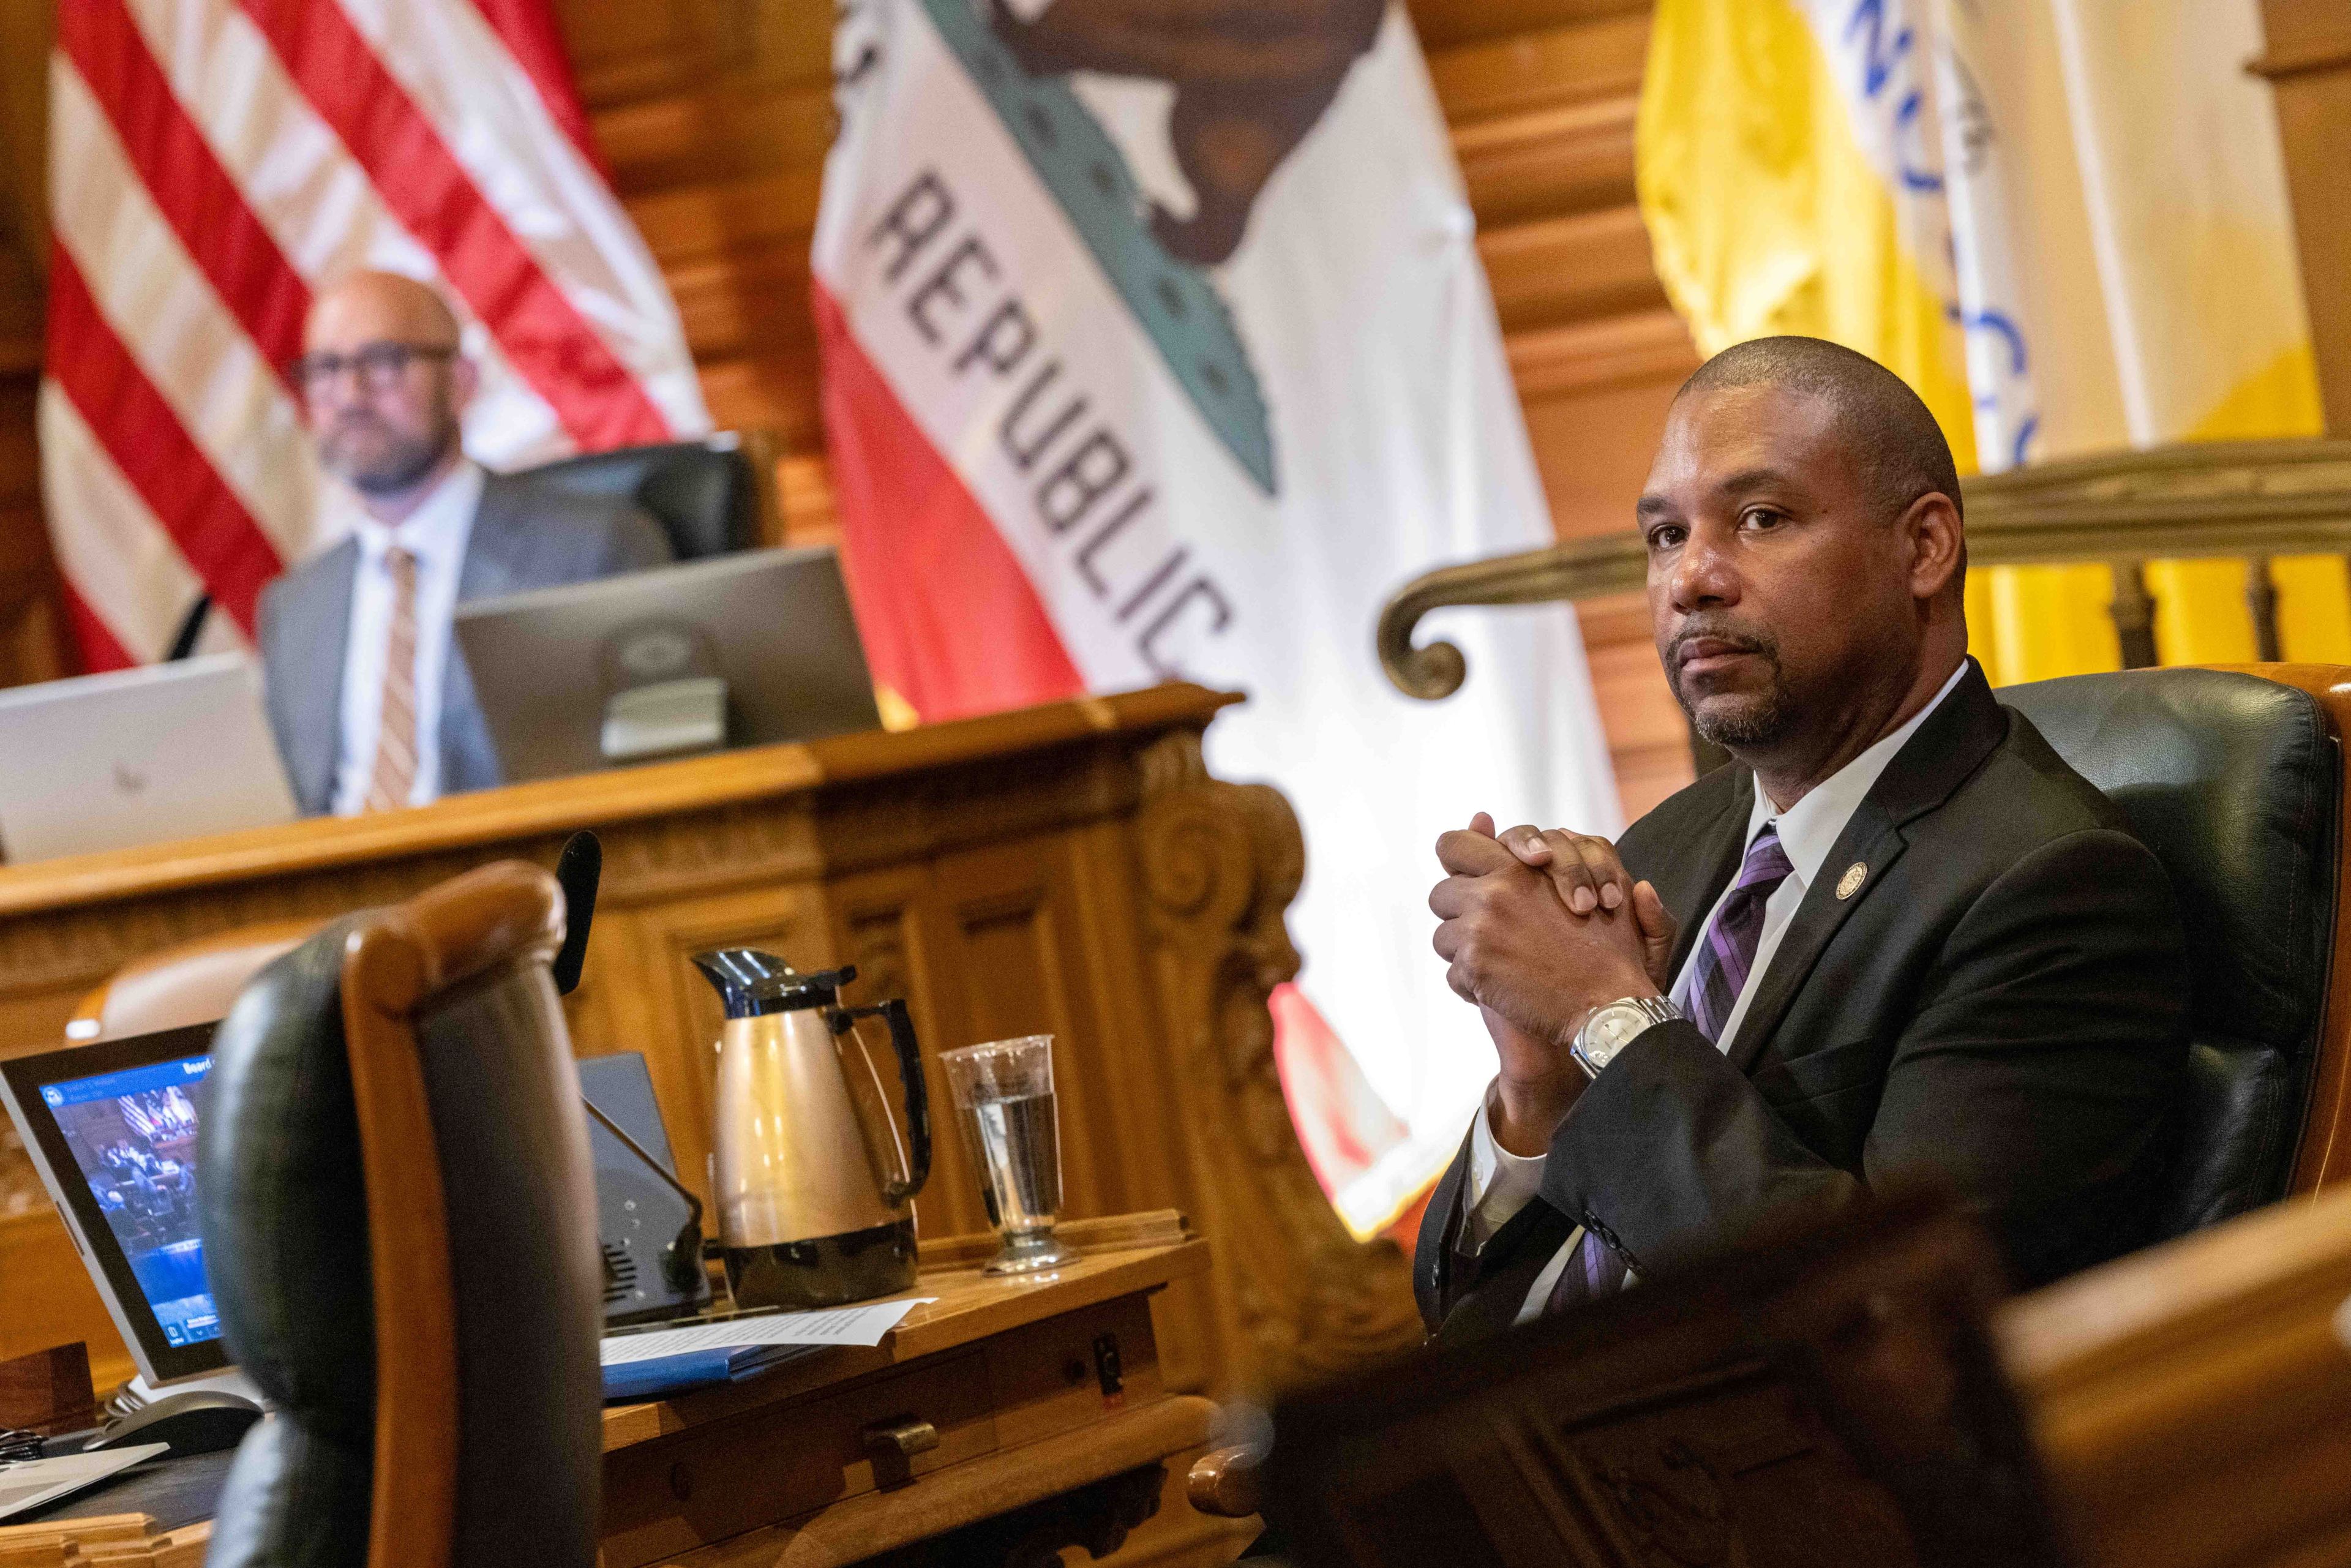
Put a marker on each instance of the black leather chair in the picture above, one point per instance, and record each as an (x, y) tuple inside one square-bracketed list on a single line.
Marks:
[(399, 1226), (2235, 781), (704, 494)]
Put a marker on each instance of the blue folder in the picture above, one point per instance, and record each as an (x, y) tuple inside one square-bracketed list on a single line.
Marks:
[(667, 1375)]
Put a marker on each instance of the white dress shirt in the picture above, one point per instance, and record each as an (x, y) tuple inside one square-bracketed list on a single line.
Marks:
[(436, 534), (1500, 1182)]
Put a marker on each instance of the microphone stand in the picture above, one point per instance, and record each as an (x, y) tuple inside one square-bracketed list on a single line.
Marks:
[(682, 1259)]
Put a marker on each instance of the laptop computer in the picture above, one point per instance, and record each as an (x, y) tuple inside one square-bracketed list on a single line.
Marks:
[(111, 1129), (137, 756), (737, 650)]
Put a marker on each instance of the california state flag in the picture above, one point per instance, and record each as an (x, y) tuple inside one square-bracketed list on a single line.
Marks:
[(1157, 347)]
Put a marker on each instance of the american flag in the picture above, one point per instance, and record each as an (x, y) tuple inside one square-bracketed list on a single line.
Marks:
[(212, 161)]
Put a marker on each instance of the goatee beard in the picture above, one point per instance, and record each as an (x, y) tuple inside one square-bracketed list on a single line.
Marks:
[(1752, 723)]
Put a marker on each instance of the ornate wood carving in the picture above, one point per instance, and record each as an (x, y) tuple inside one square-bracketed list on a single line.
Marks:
[(1221, 862)]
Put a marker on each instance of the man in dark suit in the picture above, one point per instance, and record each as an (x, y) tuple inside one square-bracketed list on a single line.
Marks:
[(1900, 935), (368, 695)]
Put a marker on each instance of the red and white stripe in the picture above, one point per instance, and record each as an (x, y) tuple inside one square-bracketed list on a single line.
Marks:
[(213, 163)]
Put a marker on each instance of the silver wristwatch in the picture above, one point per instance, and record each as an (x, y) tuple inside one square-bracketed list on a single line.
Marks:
[(1610, 1029)]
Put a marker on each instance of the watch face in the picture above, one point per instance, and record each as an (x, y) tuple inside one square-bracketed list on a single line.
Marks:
[(1612, 1029), (1614, 1033)]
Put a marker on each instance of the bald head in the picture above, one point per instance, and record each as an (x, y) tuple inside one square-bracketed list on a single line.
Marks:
[(367, 306), (1806, 555), (1888, 427), (383, 383)]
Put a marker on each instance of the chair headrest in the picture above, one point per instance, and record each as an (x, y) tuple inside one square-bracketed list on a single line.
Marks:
[(2235, 783), (281, 1196), (703, 493)]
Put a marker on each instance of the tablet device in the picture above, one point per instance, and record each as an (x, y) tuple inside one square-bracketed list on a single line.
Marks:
[(111, 1127)]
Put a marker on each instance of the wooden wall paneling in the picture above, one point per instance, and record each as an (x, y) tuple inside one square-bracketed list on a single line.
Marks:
[(1542, 99), (1447, 24), (32, 629), (1543, 121), (2307, 60)]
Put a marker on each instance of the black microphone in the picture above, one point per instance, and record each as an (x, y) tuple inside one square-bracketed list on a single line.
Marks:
[(578, 870)]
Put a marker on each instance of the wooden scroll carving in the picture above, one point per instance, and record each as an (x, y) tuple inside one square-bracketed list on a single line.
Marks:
[(1221, 862)]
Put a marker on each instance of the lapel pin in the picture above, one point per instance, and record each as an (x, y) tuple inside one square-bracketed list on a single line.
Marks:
[(1850, 882)]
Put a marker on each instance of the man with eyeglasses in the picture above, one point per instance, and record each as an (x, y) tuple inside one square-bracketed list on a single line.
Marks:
[(369, 696)]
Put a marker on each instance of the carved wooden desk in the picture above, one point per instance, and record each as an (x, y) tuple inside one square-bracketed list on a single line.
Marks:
[(999, 1424), (1070, 869)]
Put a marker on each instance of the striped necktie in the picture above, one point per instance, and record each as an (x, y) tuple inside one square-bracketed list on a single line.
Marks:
[(1719, 970), (1726, 953), (395, 773)]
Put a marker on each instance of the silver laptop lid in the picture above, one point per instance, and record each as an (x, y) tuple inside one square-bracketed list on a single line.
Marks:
[(137, 756)]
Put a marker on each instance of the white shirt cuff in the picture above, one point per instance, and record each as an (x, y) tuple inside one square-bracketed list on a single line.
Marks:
[(1500, 1182)]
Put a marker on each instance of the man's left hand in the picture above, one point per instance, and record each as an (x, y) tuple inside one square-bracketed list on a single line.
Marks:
[(1510, 944)]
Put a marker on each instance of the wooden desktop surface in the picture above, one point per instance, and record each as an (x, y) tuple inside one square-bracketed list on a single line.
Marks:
[(1071, 869)]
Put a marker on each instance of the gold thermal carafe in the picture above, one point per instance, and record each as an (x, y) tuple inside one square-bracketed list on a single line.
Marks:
[(812, 1192)]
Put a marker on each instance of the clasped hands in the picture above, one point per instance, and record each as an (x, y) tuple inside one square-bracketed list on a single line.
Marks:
[(1538, 928)]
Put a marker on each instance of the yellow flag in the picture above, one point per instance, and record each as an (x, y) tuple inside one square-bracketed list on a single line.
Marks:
[(2066, 224)]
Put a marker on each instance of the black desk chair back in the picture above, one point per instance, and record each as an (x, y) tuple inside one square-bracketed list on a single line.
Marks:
[(400, 1229), (704, 494), (2235, 781)]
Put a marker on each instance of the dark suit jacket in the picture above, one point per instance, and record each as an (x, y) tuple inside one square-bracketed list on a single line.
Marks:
[(524, 536), (2000, 1004)]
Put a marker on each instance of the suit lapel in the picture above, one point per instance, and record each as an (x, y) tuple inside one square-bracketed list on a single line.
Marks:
[(498, 546), (1940, 757), (1513, 1257), (1691, 884), (1870, 840), (320, 620)]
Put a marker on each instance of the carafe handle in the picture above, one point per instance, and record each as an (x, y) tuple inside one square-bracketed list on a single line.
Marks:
[(910, 1077)]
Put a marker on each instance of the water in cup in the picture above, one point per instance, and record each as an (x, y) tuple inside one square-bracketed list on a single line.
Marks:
[(1005, 1092), (1017, 1145)]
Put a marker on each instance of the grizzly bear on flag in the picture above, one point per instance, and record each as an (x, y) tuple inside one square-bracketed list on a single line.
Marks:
[(1251, 77)]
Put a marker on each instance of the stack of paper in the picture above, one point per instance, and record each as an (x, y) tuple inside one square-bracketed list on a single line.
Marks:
[(658, 1362)]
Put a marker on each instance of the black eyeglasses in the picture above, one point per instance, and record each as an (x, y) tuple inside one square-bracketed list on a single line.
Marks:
[(378, 366)]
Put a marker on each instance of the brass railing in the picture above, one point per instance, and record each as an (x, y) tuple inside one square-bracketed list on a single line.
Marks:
[(2250, 500)]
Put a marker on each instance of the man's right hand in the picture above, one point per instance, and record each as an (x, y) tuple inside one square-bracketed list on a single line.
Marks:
[(1589, 876)]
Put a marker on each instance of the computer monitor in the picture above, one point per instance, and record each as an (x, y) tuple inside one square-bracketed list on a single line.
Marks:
[(737, 650), (138, 757), (111, 1127)]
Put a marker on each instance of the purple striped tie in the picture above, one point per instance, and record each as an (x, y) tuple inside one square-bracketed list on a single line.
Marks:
[(1727, 952)]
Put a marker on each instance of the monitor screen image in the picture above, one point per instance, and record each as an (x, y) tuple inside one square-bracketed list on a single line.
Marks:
[(132, 1136)]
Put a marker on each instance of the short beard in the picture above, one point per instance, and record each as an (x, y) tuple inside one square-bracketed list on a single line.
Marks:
[(1756, 725), (405, 466)]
